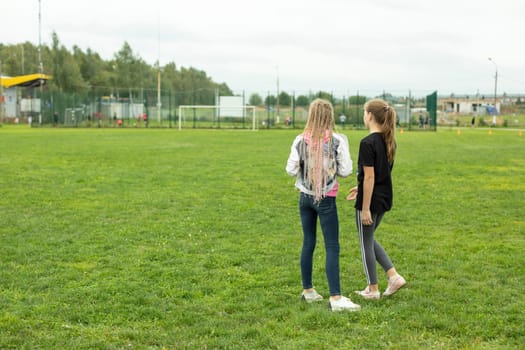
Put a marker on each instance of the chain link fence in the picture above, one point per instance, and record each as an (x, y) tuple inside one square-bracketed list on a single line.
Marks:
[(141, 108)]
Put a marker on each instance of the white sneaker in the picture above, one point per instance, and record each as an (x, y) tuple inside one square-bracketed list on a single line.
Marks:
[(343, 304), (394, 284), (312, 296)]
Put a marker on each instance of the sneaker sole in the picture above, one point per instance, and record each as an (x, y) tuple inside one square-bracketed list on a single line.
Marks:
[(395, 291), (343, 309), (309, 301), (369, 297)]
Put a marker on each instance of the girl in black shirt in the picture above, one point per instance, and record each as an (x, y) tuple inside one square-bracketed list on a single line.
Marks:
[(374, 195)]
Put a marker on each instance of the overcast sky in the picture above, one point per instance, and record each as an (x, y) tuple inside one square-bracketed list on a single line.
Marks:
[(339, 46)]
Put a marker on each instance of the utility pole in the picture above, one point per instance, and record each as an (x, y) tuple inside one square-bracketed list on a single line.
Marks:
[(158, 94), (495, 81), (277, 71), (357, 109)]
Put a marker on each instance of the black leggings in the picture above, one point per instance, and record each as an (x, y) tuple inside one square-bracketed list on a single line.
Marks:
[(371, 250)]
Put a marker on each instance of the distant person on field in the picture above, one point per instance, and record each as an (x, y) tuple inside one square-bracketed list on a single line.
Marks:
[(317, 157), (473, 122), (342, 119), (373, 194)]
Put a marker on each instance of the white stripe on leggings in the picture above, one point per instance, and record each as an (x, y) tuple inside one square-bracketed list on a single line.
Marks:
[(361, 245)]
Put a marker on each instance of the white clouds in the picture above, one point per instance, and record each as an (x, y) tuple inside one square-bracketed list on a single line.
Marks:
[(335, 45)]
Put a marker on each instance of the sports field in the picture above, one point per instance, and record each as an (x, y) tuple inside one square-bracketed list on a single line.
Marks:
[(167, 239)]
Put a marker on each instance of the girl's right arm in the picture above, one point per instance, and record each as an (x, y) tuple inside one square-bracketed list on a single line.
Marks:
[(293, 163)]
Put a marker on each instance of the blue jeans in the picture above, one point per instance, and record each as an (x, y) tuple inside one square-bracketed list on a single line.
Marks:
[(326, 210)]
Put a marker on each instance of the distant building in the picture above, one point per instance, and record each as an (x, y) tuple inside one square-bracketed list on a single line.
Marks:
[(468, 106)]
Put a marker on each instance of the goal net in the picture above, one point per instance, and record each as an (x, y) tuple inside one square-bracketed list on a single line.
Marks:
[(218, 116), (74, 116)]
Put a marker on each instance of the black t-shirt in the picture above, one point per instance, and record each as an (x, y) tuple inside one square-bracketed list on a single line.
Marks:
[(372, 152)]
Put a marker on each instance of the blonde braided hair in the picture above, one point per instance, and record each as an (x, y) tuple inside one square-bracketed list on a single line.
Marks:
[(318, 130)]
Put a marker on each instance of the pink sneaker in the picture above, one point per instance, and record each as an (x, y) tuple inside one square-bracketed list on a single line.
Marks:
[(367, 294), (394, 284)]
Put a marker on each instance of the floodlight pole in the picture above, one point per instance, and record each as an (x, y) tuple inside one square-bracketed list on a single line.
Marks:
[(41, 67), (159, 103), (357, 109), (407, 119), (277, 100), (495, 81)]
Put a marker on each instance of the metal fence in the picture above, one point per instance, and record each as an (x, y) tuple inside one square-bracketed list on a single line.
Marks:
[(140, 108)]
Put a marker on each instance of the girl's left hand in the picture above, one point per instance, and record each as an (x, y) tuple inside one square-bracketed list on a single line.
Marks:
[(366, 218), (352, 194)]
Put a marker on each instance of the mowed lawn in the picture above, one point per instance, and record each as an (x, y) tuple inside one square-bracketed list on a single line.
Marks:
[(167, 239)]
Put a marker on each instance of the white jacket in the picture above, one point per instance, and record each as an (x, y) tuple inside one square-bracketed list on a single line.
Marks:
[(342, 156)]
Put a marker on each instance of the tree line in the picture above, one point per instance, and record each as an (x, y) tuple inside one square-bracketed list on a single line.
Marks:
[(84, 72), (78, 71)]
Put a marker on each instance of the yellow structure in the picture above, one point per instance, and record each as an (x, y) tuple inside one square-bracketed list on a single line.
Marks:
[(11, 105), (30, 80)]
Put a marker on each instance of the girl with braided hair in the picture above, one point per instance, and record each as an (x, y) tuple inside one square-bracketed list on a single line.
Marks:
[(317, 157), (374, 194)]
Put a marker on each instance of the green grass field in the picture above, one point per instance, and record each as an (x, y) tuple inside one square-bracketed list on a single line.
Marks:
[(153, 239)]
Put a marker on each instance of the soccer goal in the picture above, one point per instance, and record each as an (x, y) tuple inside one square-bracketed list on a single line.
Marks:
[(206, 116), (228, 113), (74, 116)]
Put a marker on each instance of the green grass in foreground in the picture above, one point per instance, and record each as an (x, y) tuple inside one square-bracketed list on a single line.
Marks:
[(151, 239)]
